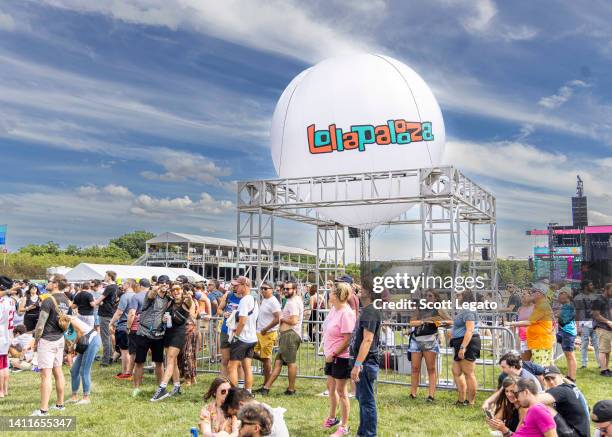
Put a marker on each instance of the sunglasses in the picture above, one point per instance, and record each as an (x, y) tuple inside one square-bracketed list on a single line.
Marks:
[(265, 288), (243, 423), (287, 288)]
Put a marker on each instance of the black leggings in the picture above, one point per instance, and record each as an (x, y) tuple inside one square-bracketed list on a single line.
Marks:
[(311, 326)]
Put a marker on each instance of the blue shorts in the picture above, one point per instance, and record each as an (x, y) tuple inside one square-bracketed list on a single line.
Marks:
[(566, 340), (424, 346)]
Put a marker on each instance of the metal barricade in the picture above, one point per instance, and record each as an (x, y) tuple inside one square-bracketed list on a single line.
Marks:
[(396, 367)]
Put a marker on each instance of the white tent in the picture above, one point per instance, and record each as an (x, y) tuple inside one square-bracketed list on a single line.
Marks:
[(87, 272)]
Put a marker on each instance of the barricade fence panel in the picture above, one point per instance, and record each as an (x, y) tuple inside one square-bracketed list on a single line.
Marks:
[(395, 363)]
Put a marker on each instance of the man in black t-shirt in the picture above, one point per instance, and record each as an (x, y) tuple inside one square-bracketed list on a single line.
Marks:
[(364, 352), (567, 400), (49, 344), (107, 304), (602, 316)]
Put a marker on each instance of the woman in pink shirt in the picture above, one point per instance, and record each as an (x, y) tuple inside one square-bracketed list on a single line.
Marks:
[(337, 330)]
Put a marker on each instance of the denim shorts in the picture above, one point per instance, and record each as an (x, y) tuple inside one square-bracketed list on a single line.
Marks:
[(424, 346), (567, 341)]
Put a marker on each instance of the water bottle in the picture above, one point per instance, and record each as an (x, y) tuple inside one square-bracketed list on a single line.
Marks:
[(194, 432), (168, 320), (35, 362)]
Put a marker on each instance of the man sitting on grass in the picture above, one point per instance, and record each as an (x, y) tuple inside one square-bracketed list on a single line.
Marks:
[(602, 418), (567, 399), (511, 365), (538, 421)]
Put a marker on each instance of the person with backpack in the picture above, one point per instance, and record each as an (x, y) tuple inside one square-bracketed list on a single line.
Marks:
[(175, 318), (49, 343), (151, 331)]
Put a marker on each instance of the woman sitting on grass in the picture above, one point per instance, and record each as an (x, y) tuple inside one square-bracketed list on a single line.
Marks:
[(507, 412), (212, 416)]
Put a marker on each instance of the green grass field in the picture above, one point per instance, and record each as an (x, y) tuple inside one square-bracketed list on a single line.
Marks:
[(113, 412)]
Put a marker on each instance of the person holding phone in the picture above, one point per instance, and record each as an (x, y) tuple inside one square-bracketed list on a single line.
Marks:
[(506, 413)]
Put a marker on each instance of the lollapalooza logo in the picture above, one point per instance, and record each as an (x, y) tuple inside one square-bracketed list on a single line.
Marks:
[(394, 132)]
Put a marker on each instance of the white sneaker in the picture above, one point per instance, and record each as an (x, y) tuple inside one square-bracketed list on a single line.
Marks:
[(84, 402), (39, 413), (58, 407)]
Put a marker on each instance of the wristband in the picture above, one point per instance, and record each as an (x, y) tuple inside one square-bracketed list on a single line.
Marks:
[(357, 364), (462, 347)]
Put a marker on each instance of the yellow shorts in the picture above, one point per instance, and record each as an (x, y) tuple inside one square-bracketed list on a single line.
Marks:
[(265, 344), (543, 357)]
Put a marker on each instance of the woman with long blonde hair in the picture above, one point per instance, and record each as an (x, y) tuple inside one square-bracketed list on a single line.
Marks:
[(337, 331)]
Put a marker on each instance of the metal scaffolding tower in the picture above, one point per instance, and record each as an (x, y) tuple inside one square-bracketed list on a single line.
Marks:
[(451, 205)]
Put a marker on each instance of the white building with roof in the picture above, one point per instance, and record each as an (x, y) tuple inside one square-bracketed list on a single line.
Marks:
[(214, 257)]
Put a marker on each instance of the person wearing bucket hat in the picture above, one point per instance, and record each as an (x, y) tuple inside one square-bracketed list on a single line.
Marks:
[(602, 417), (540, 332)]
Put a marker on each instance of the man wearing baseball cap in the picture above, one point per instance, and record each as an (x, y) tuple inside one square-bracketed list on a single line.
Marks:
[(244, 334), (353, 300), (602, 418), (567, 399)]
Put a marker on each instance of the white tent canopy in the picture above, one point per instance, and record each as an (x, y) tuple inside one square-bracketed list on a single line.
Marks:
[(87, 272)]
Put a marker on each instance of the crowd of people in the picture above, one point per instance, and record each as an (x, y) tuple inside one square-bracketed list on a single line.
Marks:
[(158, 320)]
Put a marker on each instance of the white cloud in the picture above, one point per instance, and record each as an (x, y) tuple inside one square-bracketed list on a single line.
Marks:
[(181, 166), (145, 204), (518, 163), (7, 23), (563, 94), (160, 206), (519, 33), (74, 218), (88, 190), (525, 131), (117, 191), (279, 26), (480, 17)]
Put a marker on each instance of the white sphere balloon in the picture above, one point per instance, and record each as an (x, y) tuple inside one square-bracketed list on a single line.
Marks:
[(353, 114)]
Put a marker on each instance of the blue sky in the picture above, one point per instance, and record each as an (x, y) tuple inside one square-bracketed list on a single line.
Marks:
[(137, 114)]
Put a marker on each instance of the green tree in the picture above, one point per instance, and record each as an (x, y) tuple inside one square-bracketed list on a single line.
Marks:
[(50, 248), (72, 250), (133, 243)]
